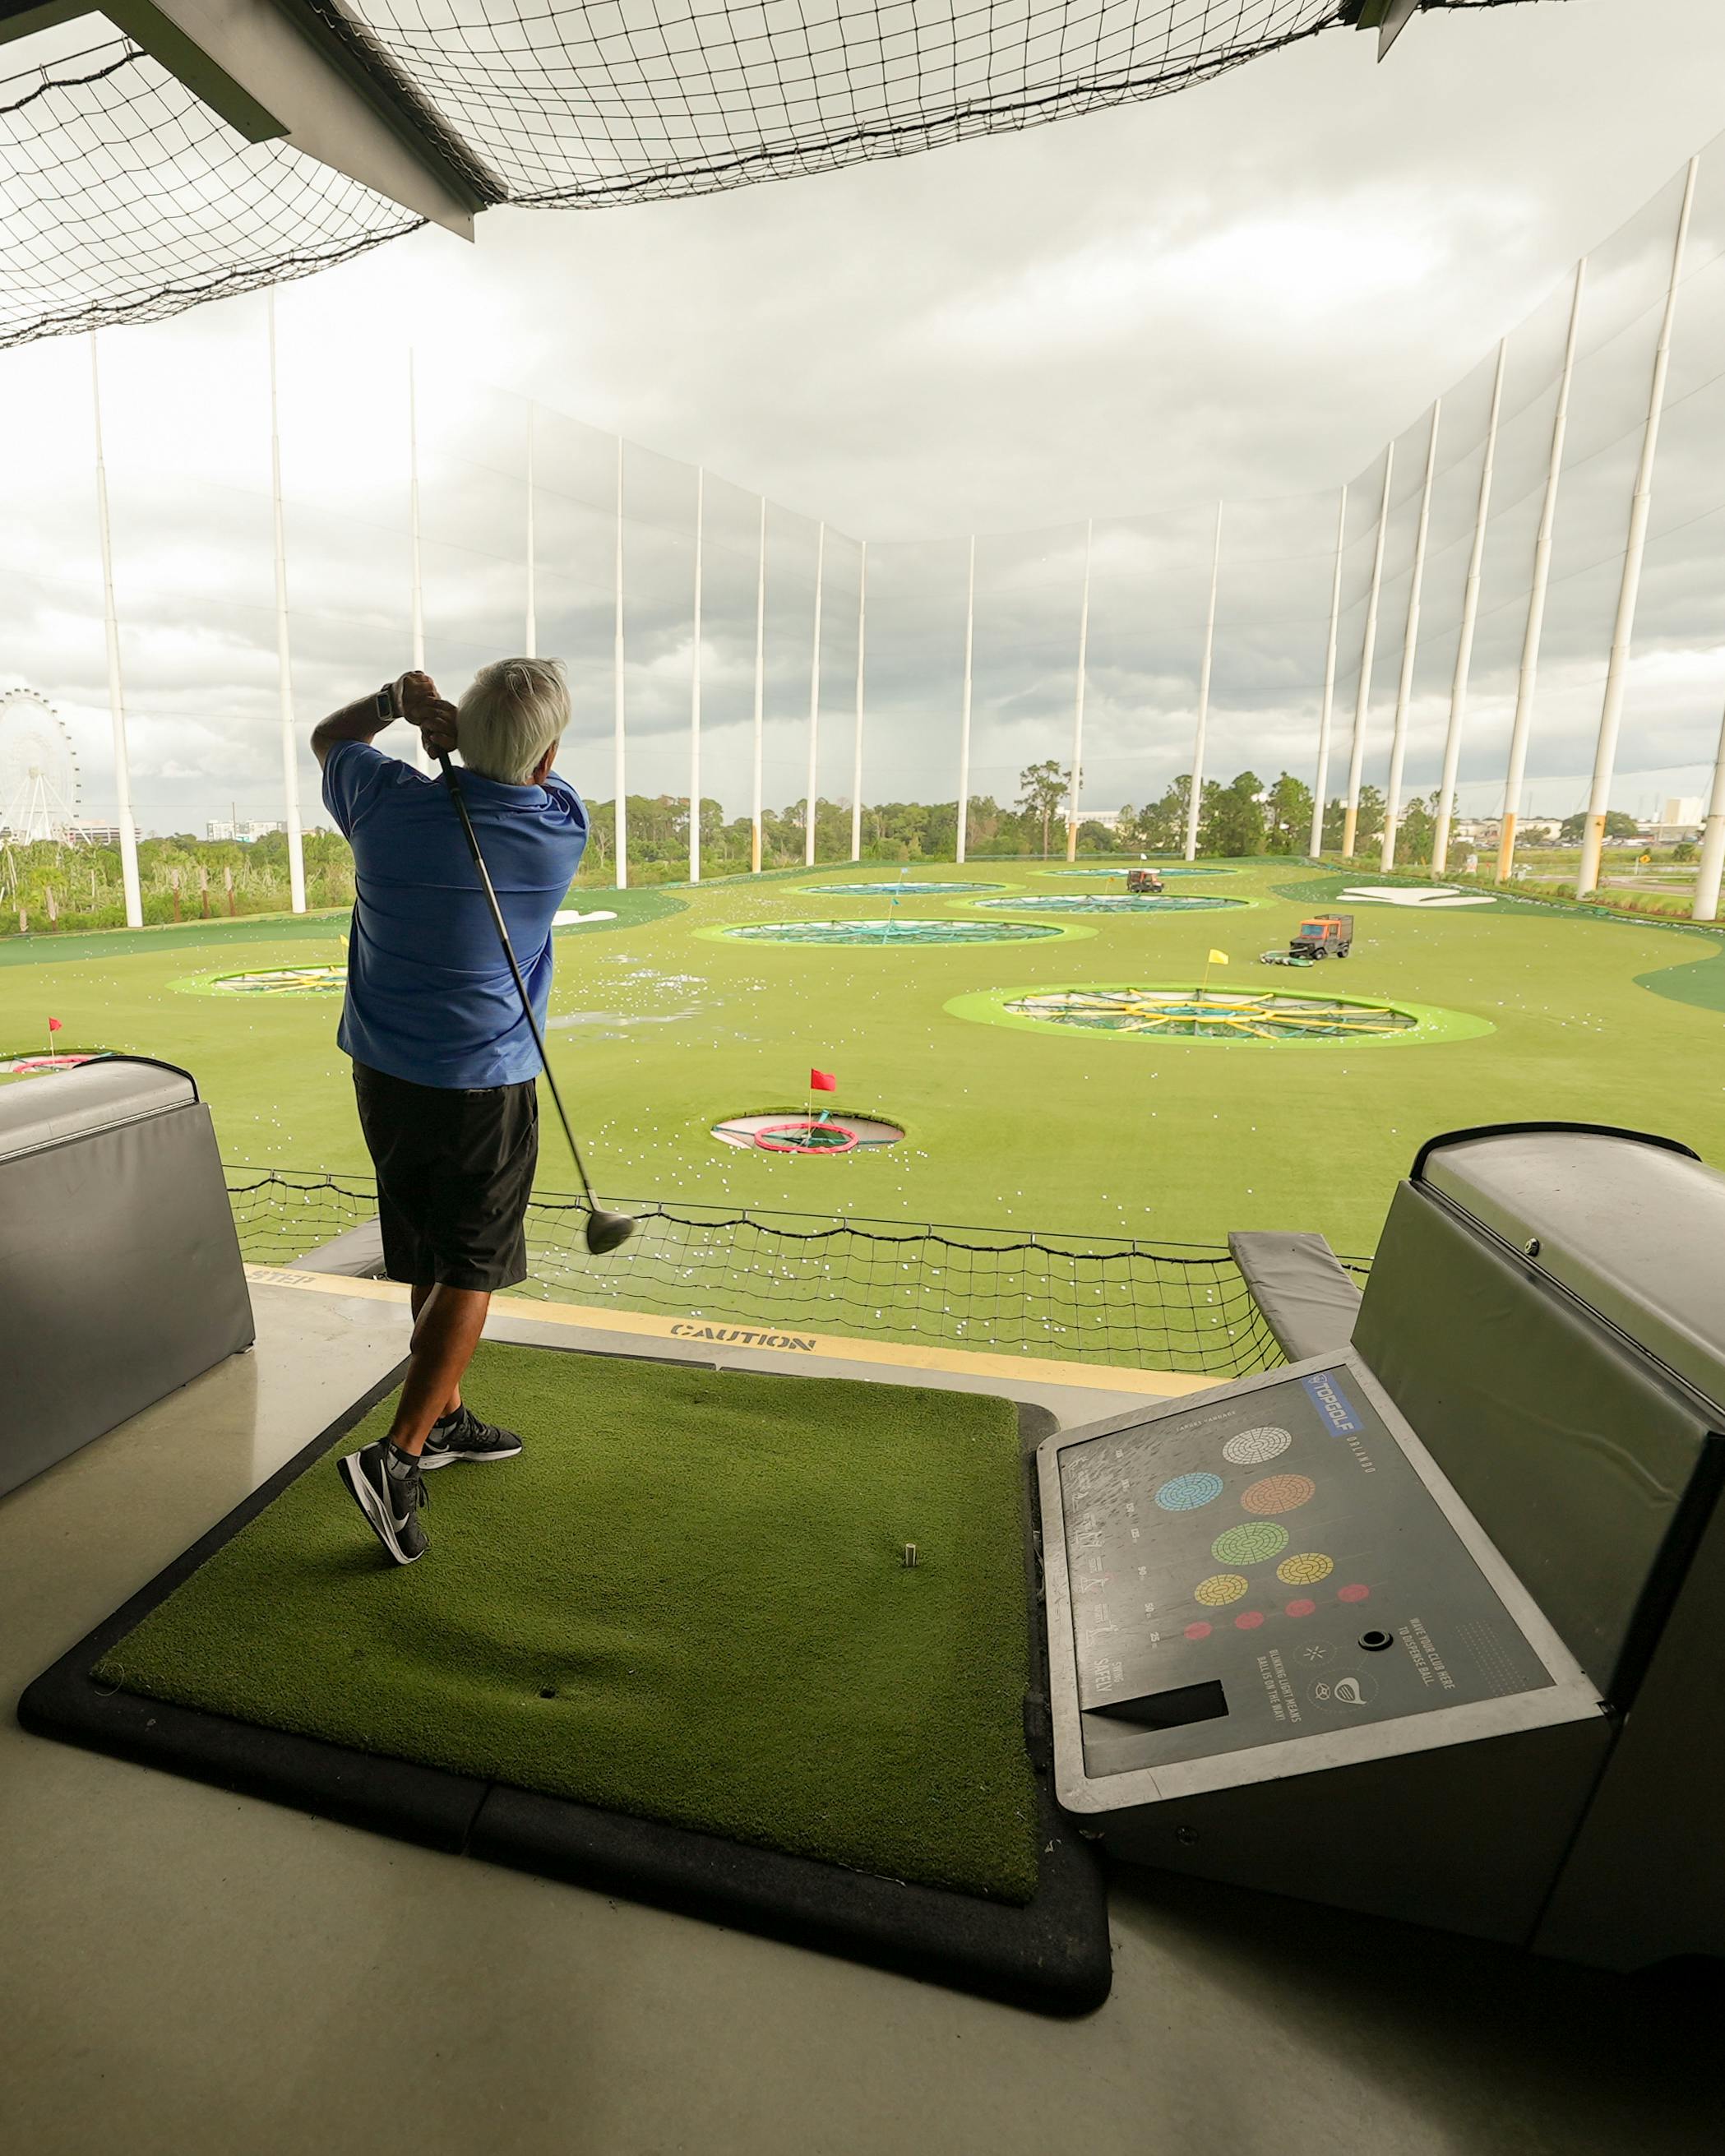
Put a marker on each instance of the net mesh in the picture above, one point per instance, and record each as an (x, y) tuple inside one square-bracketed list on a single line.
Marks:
[(123, 198), (1092, 1299)]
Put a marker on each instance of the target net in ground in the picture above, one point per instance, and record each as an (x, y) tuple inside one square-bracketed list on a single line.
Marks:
[(902, 934), (1212, 1015), (776, 1275), (906, 890), (1093, 902), (778, 1130), (273, 981)]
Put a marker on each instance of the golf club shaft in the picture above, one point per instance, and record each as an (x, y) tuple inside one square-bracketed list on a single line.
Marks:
[(520, 985)]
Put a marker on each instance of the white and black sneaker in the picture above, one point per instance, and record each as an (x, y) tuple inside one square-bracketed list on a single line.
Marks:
[(386, 1486), (463, 1436)]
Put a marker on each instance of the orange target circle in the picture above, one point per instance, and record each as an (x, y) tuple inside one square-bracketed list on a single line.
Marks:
[(1278, 1493), (1305, 1568), (1219, 1589)]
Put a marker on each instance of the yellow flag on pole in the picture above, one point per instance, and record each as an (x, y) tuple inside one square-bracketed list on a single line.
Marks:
[(1219, 958)]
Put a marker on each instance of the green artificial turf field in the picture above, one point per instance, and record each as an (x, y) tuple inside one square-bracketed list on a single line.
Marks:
[(685, 1600), (658, 1031)]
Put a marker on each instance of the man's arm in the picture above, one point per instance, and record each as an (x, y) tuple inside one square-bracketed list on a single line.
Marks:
[(412, 697)]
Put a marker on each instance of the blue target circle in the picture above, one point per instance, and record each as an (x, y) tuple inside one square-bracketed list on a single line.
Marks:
[(1185, 1493)]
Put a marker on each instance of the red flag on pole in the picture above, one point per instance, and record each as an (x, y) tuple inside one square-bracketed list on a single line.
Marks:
[(823, 1081), (54, 1025)]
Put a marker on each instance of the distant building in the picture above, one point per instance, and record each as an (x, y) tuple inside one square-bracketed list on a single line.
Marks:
[(1683, 818), (243, 833), (83, 833), (1109, 818)]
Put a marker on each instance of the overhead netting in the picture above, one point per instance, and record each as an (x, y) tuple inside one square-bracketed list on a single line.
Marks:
[(123, 198), (1092, 1299)]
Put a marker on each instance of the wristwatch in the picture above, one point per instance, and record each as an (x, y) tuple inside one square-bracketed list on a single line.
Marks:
[(388, 707)]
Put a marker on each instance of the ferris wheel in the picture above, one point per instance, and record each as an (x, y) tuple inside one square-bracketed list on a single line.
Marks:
[(38, 771)]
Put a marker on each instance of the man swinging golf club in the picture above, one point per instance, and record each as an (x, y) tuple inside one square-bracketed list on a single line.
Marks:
[(447, 985)]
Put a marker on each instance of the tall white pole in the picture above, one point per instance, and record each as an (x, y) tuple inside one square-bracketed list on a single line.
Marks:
[(620, 777), (1077, 779), (421, 760), (1195, 803), (694, 689), (1528, 681), (531, 643), (1460, 681), (1327, 711), (964, 707), (284, 664), (1410, 650), (820, 564), (1593, 836), (1712, 845), (116, 694), (760, 692), (862, 645), (1367, 653)]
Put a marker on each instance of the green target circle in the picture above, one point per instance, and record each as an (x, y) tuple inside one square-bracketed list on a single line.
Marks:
[(1253, 1542)]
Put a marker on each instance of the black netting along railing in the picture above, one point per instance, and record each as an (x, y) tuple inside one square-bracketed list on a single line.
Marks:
[(1091, 1299)]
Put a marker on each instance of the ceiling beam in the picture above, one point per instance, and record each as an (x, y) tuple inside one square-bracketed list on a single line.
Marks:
[(296, 71)]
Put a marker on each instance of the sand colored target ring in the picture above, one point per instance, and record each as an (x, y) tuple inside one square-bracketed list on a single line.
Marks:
[(1305, 1568), (1219, 1589)]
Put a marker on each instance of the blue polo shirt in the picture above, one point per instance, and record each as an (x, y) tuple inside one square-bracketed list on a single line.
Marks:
[(429, 997)]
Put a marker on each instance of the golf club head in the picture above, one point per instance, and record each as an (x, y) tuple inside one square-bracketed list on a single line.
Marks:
[(608, 1231)]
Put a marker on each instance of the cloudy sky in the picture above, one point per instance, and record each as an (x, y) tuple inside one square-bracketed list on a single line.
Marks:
[(1239, 294)]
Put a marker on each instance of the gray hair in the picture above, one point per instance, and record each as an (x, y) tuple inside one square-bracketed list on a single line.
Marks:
[(514, 712)]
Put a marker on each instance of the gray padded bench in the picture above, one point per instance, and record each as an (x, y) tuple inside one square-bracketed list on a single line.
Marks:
[(121, 1277)]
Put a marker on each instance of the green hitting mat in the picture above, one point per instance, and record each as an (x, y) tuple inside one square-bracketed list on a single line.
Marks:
[(674, 1648), (686, 1599)]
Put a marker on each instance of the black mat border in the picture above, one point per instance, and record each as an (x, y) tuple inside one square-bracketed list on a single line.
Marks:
[(1051, 1955)]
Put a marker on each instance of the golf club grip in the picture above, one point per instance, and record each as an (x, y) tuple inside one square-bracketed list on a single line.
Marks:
[(521, 986)]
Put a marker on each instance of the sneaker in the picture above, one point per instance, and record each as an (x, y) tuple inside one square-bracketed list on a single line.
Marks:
[(463, 1436), (390, 1498)]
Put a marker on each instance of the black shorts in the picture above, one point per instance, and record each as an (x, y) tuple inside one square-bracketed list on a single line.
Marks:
[(454, 1172)]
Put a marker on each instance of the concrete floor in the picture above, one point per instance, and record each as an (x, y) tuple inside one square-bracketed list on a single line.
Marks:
[(182, 1971)]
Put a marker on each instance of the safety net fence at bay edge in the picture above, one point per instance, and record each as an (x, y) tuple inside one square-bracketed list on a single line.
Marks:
[(1090, 1299)]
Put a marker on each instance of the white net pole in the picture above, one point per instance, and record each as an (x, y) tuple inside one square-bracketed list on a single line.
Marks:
[(694, 689), (820, 564), (416, 599), (1327, 709), (965, 706), (619, 775), (1075, 785), (1194, 804), (531, 627), (1410, 649), (116, 694), (1712, 844), (1469, 623), (1592, 837), (1527, 680), (284, 659), (1367, 653), (862, 646), (760, 693)]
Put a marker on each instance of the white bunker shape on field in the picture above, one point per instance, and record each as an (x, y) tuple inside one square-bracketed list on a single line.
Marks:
[(570, 919), (1428, 898), (746, 1133)]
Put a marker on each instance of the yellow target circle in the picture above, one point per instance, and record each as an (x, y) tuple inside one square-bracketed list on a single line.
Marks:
[(1305, 1570), (1220, 1588)]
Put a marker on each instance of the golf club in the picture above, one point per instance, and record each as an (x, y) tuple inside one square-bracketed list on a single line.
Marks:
[(605, 1231)]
